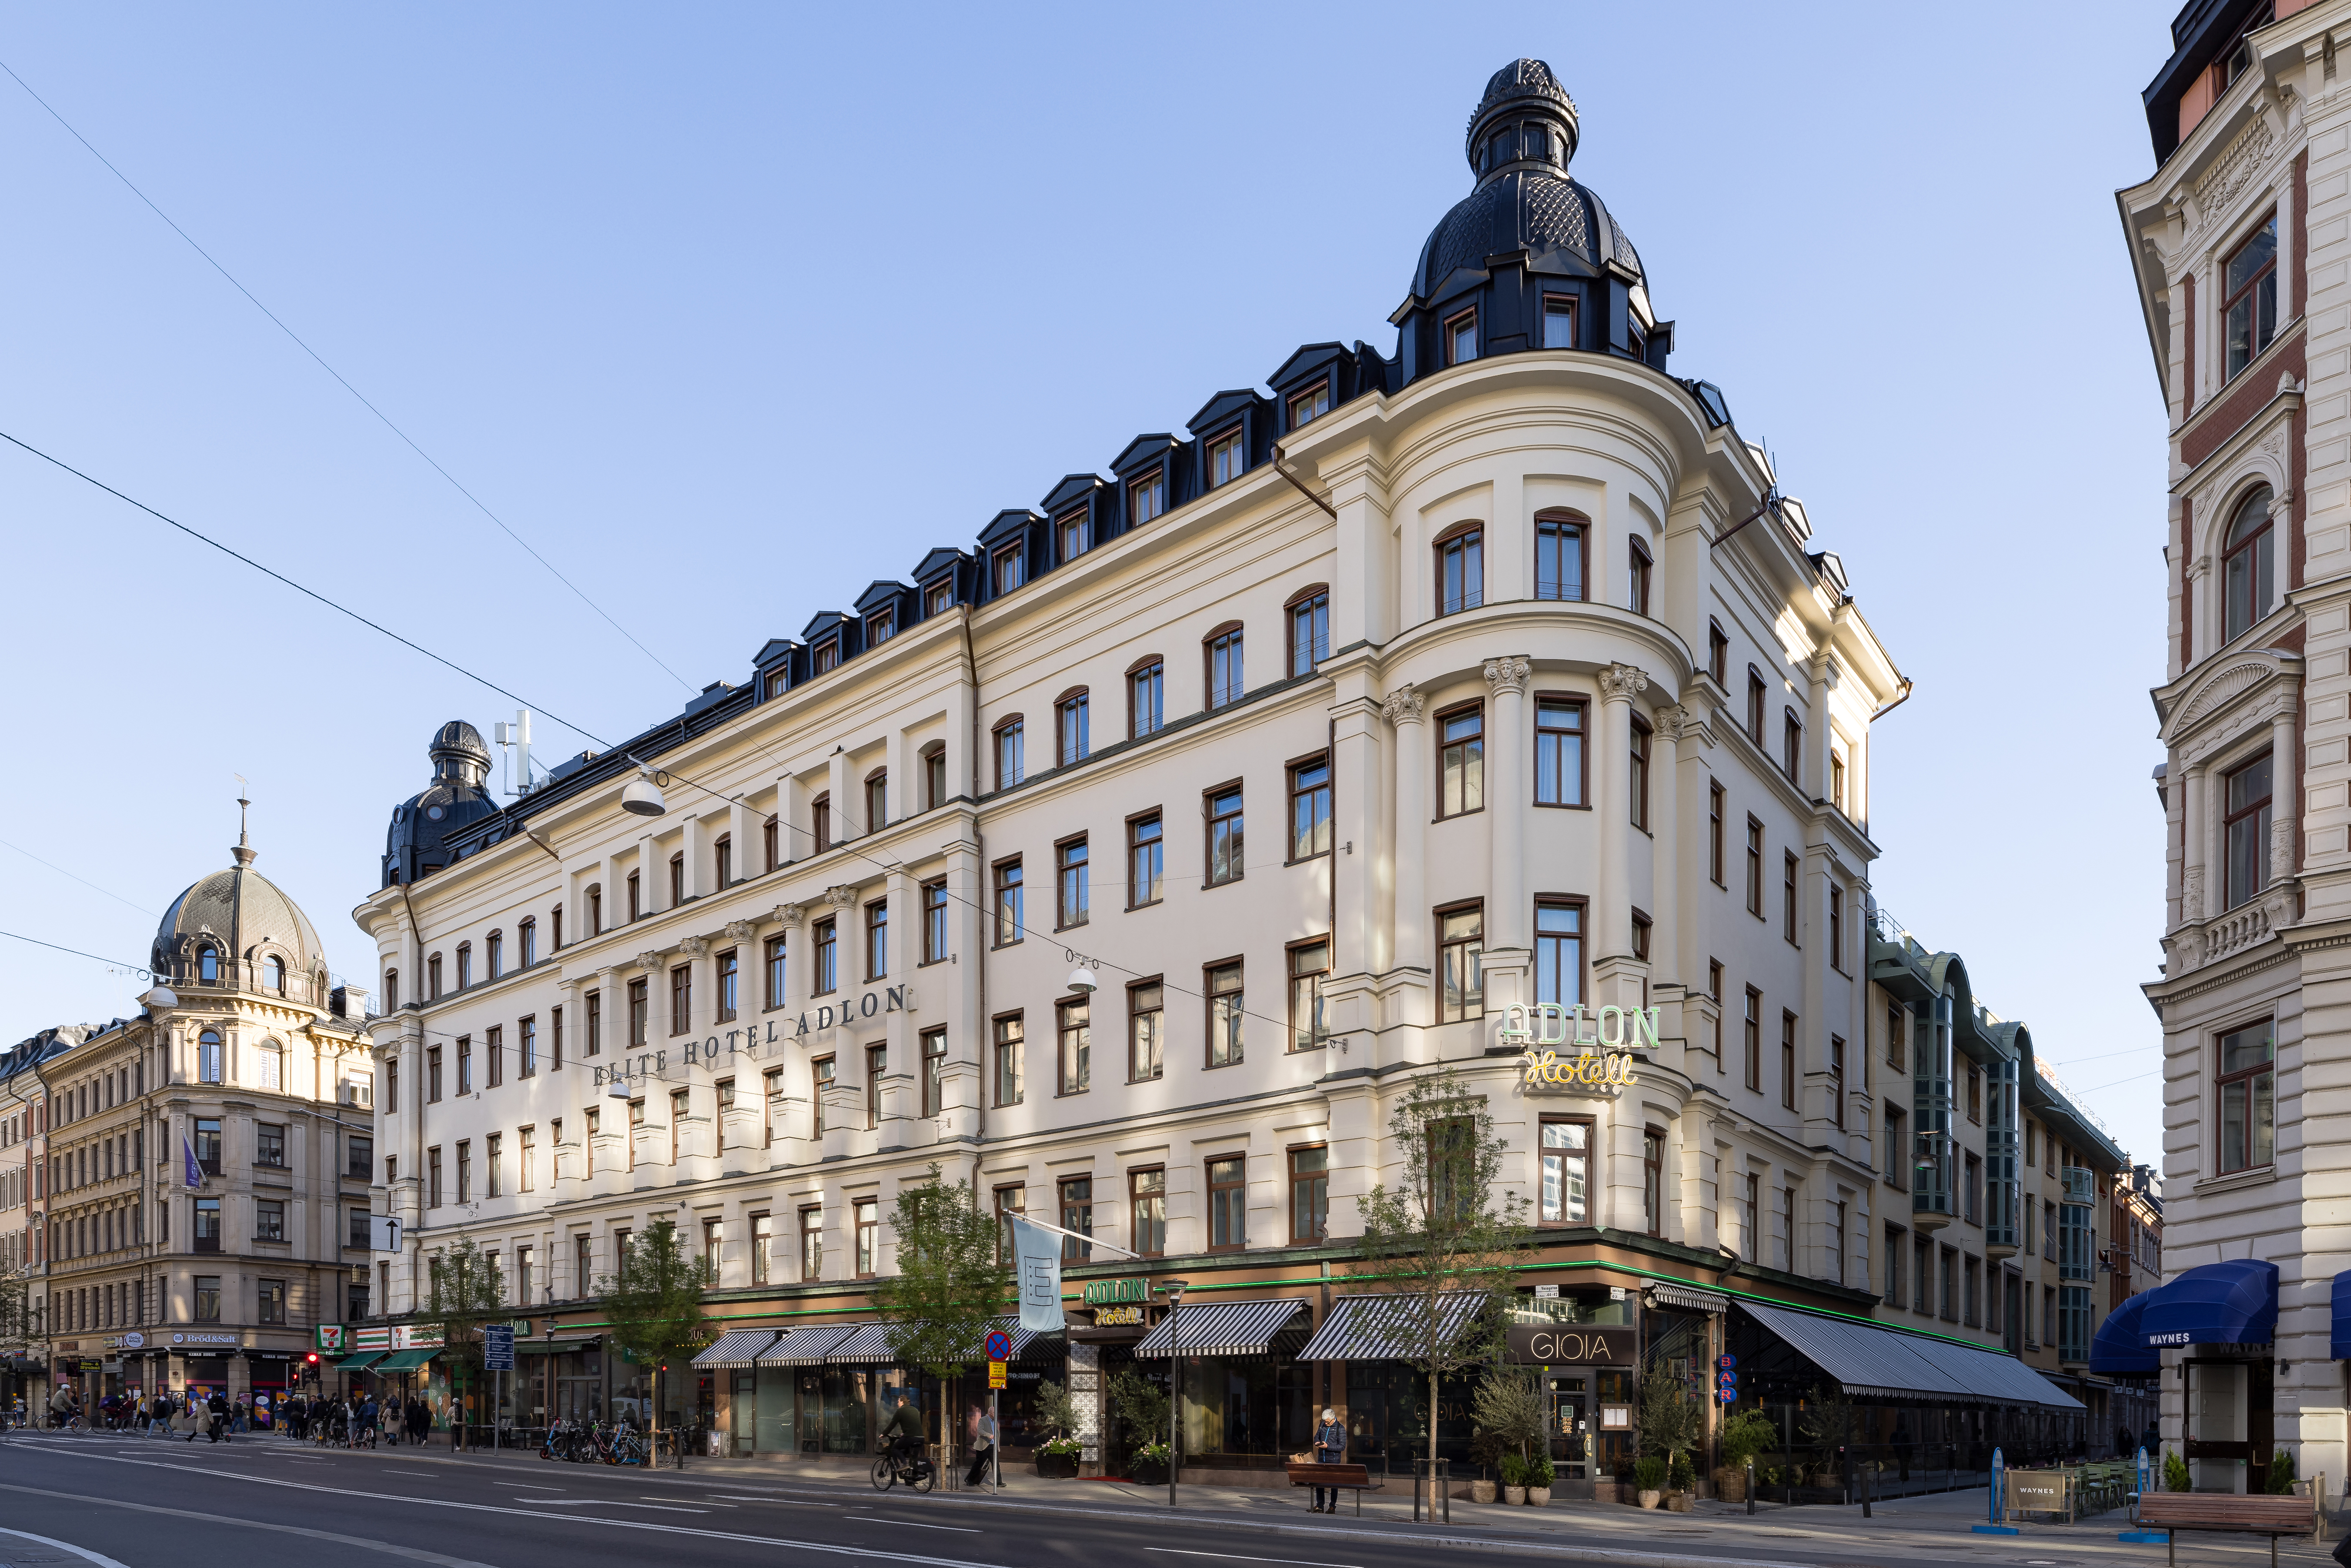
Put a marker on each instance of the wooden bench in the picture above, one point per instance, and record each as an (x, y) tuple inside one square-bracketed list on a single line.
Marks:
[(1356, 1479), (2226, 1513)]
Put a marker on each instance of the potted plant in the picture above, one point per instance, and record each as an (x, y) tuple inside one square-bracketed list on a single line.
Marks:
[(1059, 1457), (1649, 1480), (1057, 1413), (1149, 1465), (1743, 1435), (1538, 1479), (1482, 1489), (1514, 1478), (1512, 1426), (1681, 1481)]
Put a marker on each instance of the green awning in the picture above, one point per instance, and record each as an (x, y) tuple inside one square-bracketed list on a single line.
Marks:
[(405, 1361), (360, 1362)]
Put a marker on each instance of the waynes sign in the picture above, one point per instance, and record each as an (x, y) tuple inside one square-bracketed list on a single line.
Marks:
[(707, 1054)]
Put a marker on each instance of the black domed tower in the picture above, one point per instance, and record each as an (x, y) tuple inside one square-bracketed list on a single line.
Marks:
[(456, 799), (1530, 258)]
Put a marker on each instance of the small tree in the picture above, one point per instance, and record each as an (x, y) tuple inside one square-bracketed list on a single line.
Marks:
[(1671, 1421), (16, 1307), (1442, 1236), (1142, 1406), (951, 1284), (655, 1303), (1057, 1412), (465, 1291), (1509, 1410), (1827, 1421)]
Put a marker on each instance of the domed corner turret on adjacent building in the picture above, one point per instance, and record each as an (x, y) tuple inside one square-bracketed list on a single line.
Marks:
[(457, 798), (210, 1159), (1530, 258)]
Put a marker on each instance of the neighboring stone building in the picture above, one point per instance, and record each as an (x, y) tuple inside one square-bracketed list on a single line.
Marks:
[(2237, 244), (1537, 694), (255, 1080)]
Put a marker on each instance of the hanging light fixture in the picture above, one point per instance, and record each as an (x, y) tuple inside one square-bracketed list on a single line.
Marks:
[(642, 797)]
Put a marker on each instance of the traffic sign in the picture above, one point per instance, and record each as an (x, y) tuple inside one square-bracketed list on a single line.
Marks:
[(996, 1374), (1000, 1345), (384, 1233), (498, 1347)]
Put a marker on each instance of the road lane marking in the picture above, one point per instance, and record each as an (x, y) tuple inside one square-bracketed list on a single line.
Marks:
[(1236, 1557), (869, 1518), (648, 1496), (780, 1501), (409, 1551), (81, 1552), (604, 1502)]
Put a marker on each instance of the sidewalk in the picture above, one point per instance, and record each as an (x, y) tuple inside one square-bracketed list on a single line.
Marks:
[(1936, 1526)]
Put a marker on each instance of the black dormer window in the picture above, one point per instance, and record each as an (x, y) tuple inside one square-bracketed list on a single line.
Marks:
[(1635, 343), (1310, 405), (826, 655), (1226, 458), (938, 598), (1008, 566), (1462, 338), (1075, 533), (777, 683), (1558, 321), (881, 626), (1146, 497)]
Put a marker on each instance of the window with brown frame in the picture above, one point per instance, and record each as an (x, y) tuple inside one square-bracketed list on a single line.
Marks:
[(1227, 460), (1558, 751), (938, 596), (1073, 534), (1836, 1078), (1756, 698), (1072, 728), (2247, 1088), (1752, 1028), (1714, 989), (1461, 942), (1755, 868), (877, 940), (881, 626), (1147, 695), (1011, 762), (824, 944), (868, 1212), (465, 965), (2248, 565), (1561, 560), (681, 998), (1653, 1179), (2246, 830), (1718, 652), (1791, 745), (494, 1044), (1460, 553), (1146, 1203), (2249, 306), (1787, 1060), (821, 822), (934, 776), (1309, 1194), (1146, 1032), (1639, 778), (1836, 927), (1226, 1011), (825, 657), (1228, 1203), (1012, 1070), (1226, 862), (778, 681), (1641, 936), (676, 879), (1788, 894), (1309, 965), (1011, 925), (1896, 1056), (1636, 577), (771, 843), (1146, 497), (934, 1071), (1073, 897), (1714, 810), (1462, 338), (1147, 860), (1310, 808), (1306, 407), (812, 1245), (1221, 663), (596, 909), (722, 863), (1461, 762), (1558, 321), (1836, 780), (877, 801), (1559, 951), (1309, 630), (1075, 1036), (594, 1044), (1008, 567)]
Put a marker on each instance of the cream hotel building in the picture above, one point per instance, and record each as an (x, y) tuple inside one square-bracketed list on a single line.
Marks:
[(1311, 737)]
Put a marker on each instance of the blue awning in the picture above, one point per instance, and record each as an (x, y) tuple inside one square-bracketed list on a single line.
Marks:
[(2341, 1347), (2118, 1351), (2218, 1303)]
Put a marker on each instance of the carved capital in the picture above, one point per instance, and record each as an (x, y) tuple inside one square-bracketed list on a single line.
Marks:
[(1402, 706), (1622, 683), (694, 946), (649, 959), (841, 897), (1677, 722), (787, 915), (1507, 674), (2196, 568), (739, 930)]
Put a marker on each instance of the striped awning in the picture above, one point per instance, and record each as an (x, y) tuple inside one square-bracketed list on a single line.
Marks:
[(868, 1344), (1022, 1339), (1667, 1293), (1227, 1328), (1375, 1327), (806, 1347), (736, 1348)]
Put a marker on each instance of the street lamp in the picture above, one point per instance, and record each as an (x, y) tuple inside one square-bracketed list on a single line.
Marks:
[(1174, 1290)]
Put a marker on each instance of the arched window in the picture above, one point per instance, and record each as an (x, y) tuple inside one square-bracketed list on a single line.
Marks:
[(1460, 569), (433, 978), (273, 971), (391, 990), (2249, 565), (1559, 555), (208, 1055), (208, 965)]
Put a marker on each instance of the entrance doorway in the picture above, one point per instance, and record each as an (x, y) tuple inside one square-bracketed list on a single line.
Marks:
[(1568, 1420), (2232, 1424)]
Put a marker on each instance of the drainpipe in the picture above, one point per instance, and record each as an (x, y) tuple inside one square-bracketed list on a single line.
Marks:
[(979, 842), (1897, 703)]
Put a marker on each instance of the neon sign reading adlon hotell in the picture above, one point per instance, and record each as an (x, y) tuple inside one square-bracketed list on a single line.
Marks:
[(1604, 1059)]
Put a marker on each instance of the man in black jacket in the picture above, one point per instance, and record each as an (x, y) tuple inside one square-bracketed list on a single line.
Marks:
[(218, 1409)]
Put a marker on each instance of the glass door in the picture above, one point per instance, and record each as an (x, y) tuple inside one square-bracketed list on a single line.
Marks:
[(1570, 1429)]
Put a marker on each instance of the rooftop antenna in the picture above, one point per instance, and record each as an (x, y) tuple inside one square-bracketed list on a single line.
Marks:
[(516, 739), (243, 851)]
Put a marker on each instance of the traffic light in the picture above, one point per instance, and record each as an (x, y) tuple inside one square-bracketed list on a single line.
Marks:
[(312, 1358)]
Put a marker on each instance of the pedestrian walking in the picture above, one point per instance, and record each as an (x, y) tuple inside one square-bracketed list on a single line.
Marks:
[(984, 1437), (216, 1408)]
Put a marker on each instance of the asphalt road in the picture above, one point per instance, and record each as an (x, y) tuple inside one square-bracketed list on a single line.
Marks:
[(67, 1501)]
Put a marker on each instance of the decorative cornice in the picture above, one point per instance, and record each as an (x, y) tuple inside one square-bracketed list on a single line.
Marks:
[(2234, 169)]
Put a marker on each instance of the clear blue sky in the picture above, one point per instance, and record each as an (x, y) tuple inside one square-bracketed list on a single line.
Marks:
[(731, 310)]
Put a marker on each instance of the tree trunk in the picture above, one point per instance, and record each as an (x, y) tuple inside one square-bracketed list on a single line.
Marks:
[(1432, 1438)]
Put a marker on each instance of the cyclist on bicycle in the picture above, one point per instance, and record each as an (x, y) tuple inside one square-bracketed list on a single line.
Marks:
[(903, 1431)]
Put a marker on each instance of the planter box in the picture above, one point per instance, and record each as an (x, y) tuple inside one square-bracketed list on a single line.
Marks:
[(1678, 1501), (1731, 1485), (1482, 1491), (1650, 1498), (1514, 1495), (1064, 1466), (1148, 1472), (1538, 1497)]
